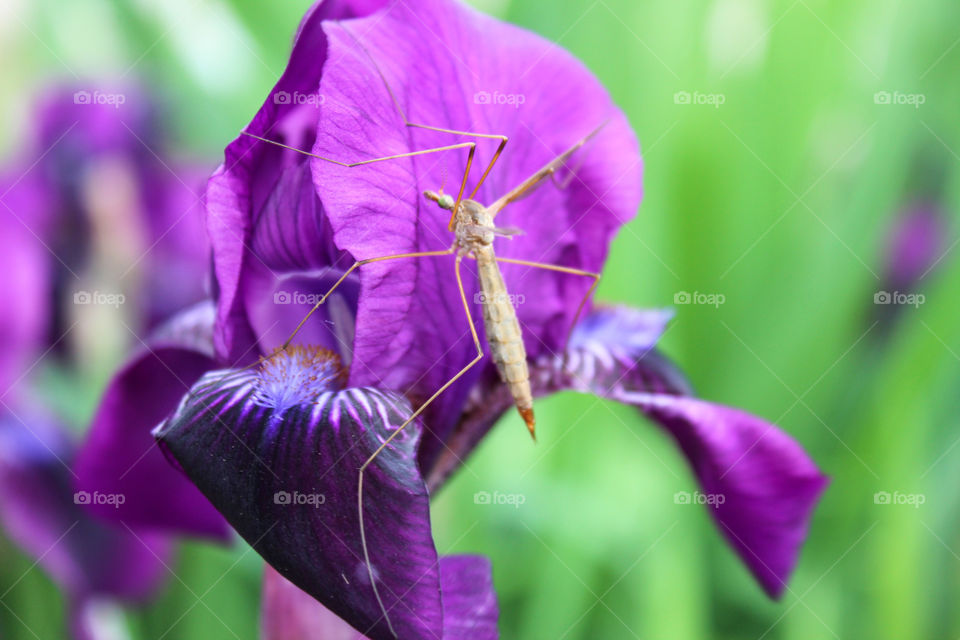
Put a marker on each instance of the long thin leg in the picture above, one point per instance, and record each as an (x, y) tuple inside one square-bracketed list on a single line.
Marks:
[(571, 176), (527, 186), (357, 265), (561, 269), (413, 416), (358, 163), (472, 146)]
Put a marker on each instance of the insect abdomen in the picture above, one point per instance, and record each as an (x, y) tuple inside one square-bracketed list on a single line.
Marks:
[(503, 335)]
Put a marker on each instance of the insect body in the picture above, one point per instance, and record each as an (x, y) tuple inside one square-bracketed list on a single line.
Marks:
[(474, 231)]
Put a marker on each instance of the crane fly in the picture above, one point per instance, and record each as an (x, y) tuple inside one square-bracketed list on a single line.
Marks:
[(474, 231)]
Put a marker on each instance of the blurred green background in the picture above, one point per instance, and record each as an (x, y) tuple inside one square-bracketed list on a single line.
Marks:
[(779, 199)]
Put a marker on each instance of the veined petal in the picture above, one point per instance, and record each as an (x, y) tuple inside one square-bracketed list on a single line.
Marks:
[(764, 486), (119, 455), (277, 449), (262, 213), (449, 66)]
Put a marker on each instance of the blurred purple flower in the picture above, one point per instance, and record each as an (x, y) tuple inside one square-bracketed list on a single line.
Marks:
[(89, 559), (23, 322), (914, 245), (89, 189), (284, 228), (94, 187)]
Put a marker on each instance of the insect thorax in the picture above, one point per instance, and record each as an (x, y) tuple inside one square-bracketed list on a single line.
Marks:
[(473, 226)]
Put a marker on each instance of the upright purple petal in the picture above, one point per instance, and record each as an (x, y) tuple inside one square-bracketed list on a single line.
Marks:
[(277, 450), (177, 262), (120, 456), (765, 485), (448, 66), (263, 217)]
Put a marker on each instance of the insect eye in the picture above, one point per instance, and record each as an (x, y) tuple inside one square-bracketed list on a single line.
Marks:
[(446, 201)]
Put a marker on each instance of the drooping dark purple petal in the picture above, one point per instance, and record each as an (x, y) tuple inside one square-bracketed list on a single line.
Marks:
[(277, 449), (41, 512), (449, 66), (763, 483), (469, 600), (120, 456), (769, 486), (264, 219)]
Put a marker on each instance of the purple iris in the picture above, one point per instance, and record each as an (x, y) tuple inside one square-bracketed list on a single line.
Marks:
[(95, 191), (88, 188), (275, 445), (915, 244), (90, 559), (94, 183), (23, 326)]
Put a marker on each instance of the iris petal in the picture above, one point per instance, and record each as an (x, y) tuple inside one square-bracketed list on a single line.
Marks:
[(263, 218), (278, 449), (449, 66), (762, 484), (41, 512), (120, 457)]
